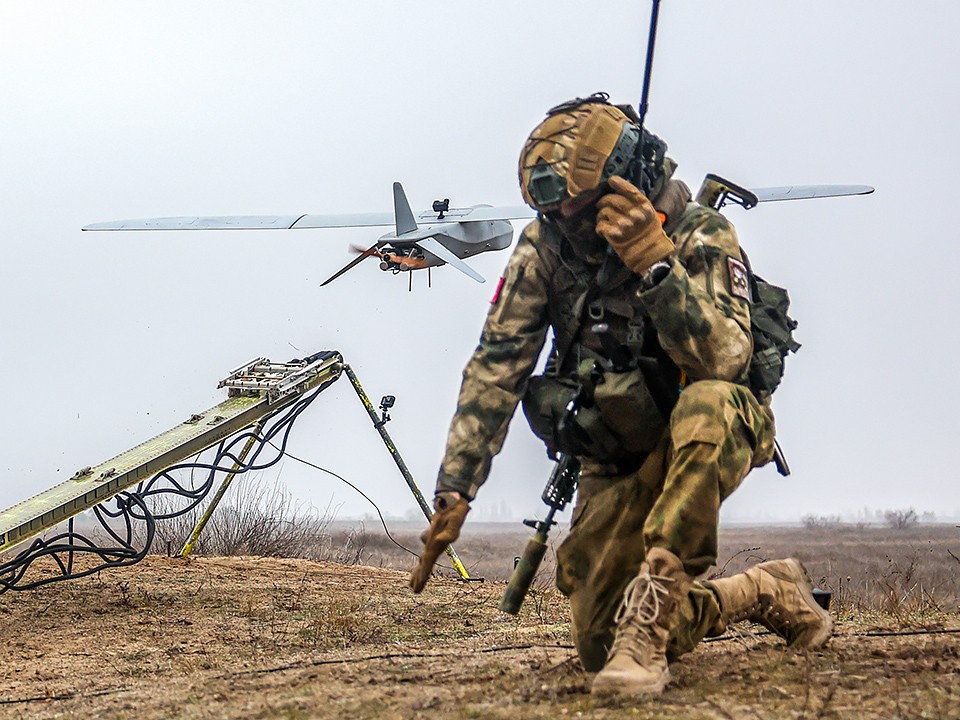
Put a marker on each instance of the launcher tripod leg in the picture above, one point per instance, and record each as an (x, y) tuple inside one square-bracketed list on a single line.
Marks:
[(202, 523), (378, 423)]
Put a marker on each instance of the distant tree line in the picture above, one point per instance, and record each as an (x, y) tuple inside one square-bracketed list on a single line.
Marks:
[(894, 519)]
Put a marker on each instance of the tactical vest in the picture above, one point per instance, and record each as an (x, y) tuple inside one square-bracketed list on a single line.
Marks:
[(583, 407), (584, 404)]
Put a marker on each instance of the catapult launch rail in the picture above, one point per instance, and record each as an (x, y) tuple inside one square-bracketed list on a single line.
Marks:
[(264, 398), (255, 389)]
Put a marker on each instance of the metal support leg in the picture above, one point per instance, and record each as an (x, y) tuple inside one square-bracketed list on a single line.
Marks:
[(195, 535), (379, 423)]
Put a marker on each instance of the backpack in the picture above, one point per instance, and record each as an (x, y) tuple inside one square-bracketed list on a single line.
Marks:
[(772, 330), (771, 326)]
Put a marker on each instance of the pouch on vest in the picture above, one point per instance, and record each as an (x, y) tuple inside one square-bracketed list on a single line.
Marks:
[(546, 404), (629, 409), (772, 330)]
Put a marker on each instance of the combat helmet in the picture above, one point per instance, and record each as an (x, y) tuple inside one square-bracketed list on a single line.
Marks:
[(582, 143)]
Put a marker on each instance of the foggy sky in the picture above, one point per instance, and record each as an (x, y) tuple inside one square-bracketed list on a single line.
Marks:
[(116, 110)]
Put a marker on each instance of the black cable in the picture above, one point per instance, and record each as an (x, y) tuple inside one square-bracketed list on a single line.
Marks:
[(365, 497), (369, 500), (13, 571)]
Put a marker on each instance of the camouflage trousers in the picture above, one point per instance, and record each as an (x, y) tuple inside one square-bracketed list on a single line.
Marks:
[(717, 432)]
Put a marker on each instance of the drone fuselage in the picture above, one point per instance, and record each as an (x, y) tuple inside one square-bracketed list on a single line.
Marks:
[(463, 239)]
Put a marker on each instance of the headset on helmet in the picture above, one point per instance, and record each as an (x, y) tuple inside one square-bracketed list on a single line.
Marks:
[(580, 145)]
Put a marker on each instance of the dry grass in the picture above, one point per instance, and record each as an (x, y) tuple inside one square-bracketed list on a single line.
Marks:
[(905, 575), (274, 638), (255, 518)]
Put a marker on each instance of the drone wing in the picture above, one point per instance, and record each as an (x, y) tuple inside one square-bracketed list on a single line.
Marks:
[(383, 219), (311, 222), (220, 222), (477, 213), (249, 222), (806, 192)]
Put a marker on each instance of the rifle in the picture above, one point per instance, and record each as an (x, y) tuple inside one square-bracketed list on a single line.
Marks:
[(559, 491)]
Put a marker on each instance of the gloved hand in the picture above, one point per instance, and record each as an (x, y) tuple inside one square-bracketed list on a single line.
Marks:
[(450, 510), (627, 220)]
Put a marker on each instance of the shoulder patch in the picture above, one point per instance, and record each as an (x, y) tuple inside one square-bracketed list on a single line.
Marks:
[(739, 279), (496, 294)]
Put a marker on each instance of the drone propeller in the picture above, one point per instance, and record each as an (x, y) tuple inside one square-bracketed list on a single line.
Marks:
[(365, 252), (372, 251)]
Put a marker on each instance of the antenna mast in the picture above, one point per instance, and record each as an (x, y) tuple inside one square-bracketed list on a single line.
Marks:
[(648, 70)]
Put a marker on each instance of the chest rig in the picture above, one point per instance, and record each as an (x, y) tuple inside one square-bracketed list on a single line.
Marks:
[(608, 388), (584, 296)]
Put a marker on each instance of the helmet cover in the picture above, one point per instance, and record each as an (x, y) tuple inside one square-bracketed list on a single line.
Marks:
[(575, 150)]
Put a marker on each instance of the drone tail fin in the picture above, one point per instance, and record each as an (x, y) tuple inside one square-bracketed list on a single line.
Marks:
[(402, 211)]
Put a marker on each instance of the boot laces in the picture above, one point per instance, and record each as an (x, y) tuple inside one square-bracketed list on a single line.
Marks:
[(640, 607), (770, 609)]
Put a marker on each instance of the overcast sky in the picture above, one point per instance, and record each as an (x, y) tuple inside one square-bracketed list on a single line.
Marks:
[(118, 109)]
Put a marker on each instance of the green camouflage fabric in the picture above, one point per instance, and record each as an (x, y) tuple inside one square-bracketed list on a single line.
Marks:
[(701, 325), (703, 328), (717, 432), (496, 376)]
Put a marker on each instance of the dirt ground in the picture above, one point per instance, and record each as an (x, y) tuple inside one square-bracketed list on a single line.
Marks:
[(273, 638)]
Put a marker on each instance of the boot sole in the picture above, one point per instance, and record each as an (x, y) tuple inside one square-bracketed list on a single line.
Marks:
[(805, 585), (605, 685)]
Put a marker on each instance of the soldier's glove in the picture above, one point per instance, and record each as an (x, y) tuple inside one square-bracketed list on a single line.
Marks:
[(450, 510), (627, 220)]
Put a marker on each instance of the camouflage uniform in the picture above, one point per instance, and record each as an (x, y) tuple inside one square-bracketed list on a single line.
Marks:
[(667, 491)]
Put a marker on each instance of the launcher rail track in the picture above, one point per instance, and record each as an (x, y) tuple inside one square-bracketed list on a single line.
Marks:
[(264, 399), (93, 485)]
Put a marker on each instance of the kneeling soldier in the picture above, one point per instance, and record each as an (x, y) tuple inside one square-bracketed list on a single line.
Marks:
[(647, 295)]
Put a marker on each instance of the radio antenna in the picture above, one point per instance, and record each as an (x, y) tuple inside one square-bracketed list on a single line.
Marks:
[(648, 70)]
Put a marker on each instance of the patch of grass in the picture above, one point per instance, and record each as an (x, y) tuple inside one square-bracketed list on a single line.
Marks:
[(338, 625)]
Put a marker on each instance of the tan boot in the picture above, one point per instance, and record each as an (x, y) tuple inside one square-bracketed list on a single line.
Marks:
[(778, 595), (637, 662)]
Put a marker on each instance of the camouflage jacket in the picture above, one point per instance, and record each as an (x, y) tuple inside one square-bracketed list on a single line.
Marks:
[(699, 310)]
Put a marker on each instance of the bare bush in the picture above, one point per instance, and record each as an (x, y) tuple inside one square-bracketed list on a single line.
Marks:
[(258, 518), (353, 549), (901, 519), (820, 522)]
